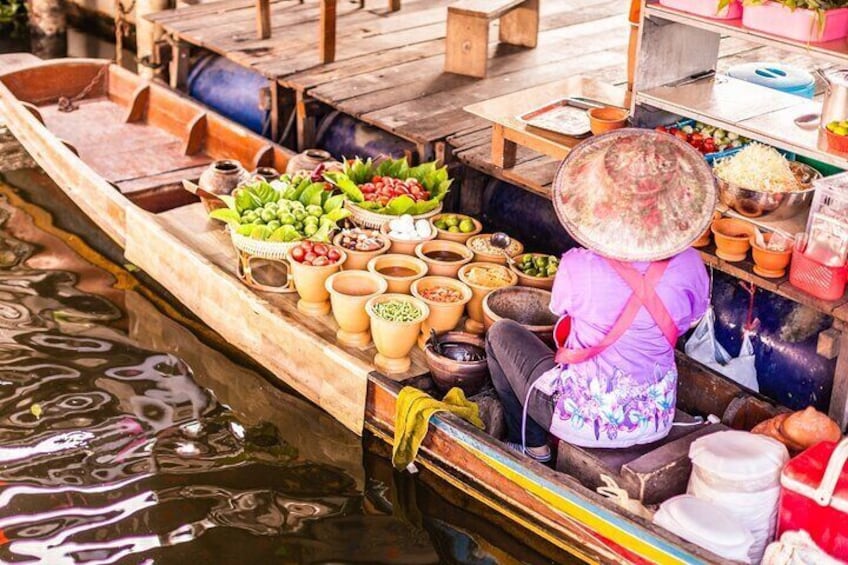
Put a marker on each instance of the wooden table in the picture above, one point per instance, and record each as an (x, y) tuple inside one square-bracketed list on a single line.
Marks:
[(508, 131)]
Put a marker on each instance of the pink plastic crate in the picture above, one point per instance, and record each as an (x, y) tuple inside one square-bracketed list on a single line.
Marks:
[(800, 25), (706, 8)]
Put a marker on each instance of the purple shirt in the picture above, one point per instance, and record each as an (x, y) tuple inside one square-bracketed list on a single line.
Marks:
[(626, 395)]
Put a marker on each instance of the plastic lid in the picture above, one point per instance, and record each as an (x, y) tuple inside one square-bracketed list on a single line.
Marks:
[(707, 525), (736, 455), (773, 75), (838, 76)]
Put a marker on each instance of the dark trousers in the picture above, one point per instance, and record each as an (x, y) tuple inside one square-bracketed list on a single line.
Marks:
[(516, 359)]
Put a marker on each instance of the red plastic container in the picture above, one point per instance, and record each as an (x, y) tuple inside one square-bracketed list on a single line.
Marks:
[(814, 496), (838, 143), (817, 279)]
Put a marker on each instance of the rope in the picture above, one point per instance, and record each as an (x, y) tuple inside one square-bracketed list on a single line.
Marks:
[(70, 104), (122, 28)]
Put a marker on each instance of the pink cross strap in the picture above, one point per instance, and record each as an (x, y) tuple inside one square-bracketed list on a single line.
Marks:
[(644, 295)]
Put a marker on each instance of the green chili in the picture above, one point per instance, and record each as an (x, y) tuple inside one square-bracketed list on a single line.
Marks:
[(397, 311)]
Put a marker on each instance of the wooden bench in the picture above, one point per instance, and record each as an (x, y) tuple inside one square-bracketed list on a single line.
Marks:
[(467, 41)]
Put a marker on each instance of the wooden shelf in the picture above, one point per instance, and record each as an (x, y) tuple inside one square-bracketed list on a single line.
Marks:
[(835, 51), (751, 110)]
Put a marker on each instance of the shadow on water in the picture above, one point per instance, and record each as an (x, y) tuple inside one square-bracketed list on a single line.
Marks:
[(115, 449)]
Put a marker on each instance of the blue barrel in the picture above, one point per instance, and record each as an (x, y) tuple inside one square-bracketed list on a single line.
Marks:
[(231, 90), (345, 137), (778, 76)]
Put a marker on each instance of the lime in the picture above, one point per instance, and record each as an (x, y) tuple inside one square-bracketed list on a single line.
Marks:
[(440, 224), (286, 219), (274, 224), (454, 229), (268, 215), (451, 221), (466, 226), (531, 273), (315, 210)]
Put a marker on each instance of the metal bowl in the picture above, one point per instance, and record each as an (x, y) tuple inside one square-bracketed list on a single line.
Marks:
[(770, 205)]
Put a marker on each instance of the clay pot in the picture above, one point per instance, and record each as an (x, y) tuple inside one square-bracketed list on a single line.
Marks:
[(359, 259), (308, 160), (808, 427), (443, 268), (398, 284), (530, 307), (405, 246), (222, 177), (458, 237), (546, 283), (767, 263), (732, 238), (447, 373), (444, 316), (474, 323), (394, 340), (498, 257), (704, 240), (267, 174), (349, 292), (608, 118), (309, 282)]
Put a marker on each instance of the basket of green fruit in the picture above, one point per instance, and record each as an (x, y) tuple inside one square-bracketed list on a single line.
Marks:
[(456, 227), (377, 193), (837, 135), (265, 220), (536, 269)]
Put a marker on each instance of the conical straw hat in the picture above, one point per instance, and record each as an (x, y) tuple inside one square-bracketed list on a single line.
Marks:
[(634, 194)]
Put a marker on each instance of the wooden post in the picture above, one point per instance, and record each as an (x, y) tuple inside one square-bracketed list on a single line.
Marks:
[(147, 33), (48, 28), (179, 65), (503, 150), (263, 19), (633, 47), (394, 5), (466, 44), (327, 31), (305, 122)]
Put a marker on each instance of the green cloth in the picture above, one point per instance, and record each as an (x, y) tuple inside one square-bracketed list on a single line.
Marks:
[(412, 416)]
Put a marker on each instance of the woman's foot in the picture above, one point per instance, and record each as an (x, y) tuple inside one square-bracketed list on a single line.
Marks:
[(542, 454)]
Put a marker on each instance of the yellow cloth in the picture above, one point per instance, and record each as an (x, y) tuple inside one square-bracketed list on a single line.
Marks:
[(412, 416)]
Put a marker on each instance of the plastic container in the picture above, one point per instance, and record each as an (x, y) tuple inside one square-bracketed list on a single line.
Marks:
[(814, 278), (706, 8), (777, 76), (707, 525), (799, 24), (831, 198)]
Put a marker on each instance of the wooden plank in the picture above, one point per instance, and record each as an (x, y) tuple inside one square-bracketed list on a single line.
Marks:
[(490, 9), (263, 19), (137, 110), (520, 26)]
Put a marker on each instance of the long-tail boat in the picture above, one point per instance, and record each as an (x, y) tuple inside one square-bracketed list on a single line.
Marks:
[(121, 154)]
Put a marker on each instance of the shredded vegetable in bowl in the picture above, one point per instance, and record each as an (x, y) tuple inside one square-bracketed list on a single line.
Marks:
[(493, 276), (760, 168)]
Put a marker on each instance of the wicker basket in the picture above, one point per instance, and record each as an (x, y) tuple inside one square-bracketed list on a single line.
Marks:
[(249, 249), (371, 220)]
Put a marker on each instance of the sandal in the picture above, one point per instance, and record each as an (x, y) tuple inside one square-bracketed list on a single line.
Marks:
[(519, 449)]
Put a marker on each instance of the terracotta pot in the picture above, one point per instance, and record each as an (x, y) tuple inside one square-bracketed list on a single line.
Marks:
[(349, 292), (546, 283), (444, 316), (222, 177), (608, 118), (808, 427), (405, 246), (267, 174), (309, 282), (308, 160), (732, 238), (528, 306), (767, 263), (458, 237), (443, 268), (359, 259), (394, 340), (398, 284), (704, 240), (474, 323), (492, 257), (447, 373)]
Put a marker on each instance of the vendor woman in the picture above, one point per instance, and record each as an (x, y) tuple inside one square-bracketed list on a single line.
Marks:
[(636, 200)]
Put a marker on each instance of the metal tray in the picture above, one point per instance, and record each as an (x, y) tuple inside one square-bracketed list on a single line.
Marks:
[(564, 117)]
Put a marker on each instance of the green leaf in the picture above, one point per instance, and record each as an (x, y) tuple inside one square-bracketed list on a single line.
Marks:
[(360, 171), (260, 232), (400, 205), (372, 206), (334, 203), (312, 194), (346, 184), (323, 233), (301, 186), (226, 215), (263, 192), (284, 234), (395, 168), (244, 201), (424, 207), (337, 215), (245, 230), (228, 200)]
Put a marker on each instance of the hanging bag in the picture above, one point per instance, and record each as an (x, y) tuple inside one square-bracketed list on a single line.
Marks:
[(703, 346)]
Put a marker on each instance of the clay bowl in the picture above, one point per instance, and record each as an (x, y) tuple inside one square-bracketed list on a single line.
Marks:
[(398, 283), (732, 238), (474, 323), (767, 263), (528, 306), (546, 283), (309, 283), (405, 246), (608, 118), (394, 340), (704, 240), (359, 259), (439, 267), (444, 316), (349, 292), (447, 373), (458, 237), (498, 257)]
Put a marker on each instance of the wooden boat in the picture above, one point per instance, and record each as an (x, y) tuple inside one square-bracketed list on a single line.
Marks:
[(95, 155)]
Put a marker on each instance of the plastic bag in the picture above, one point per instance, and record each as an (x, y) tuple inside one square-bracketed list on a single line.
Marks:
[(703, 347)]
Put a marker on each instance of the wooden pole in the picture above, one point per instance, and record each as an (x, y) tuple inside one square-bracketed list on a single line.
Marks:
[(263, 19), (48, 28), (147, 33), (327, 31), (632, 48)]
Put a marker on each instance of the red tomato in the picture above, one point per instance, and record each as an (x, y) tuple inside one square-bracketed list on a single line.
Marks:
[(680, 135), (697, 136), (333, 255), (320, 249), (320, 262), (307, 246), (661, 129), (709, 145), (377, 179), (309, 257), (298, 253)]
